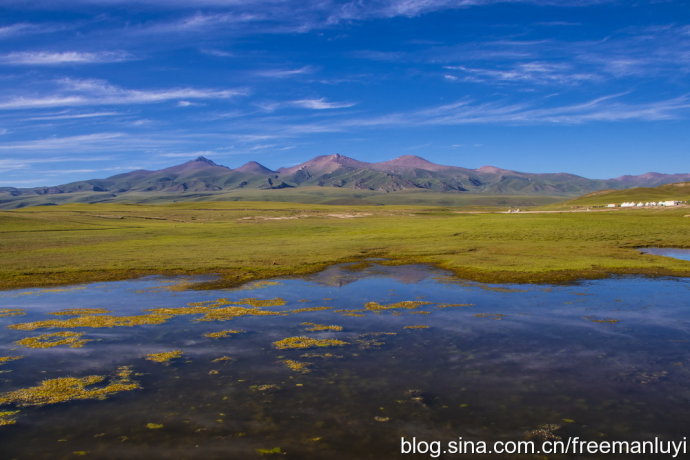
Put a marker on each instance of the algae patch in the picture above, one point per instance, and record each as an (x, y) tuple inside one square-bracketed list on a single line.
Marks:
[(313, 327), (221, 334), (405, 304), (165, 356), (5, 312), (94, 321), (7, 418), (308, 309), (73, 339), (7, 359), (63, 389), (297, 366), (80, 312), (307, 342), (223, 309), (228, 313)]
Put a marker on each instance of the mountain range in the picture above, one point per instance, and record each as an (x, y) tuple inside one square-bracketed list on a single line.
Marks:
[(405, 173)]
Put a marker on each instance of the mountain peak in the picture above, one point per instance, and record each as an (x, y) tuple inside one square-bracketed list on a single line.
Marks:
[(406, 162), (203, 159), (490, 169), (193, 166), (325, 164), (255, 168)]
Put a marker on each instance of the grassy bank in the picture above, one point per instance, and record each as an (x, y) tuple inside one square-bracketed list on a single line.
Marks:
[(249, 240)]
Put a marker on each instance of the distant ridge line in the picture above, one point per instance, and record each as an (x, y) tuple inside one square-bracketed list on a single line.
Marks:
[(203, 177)]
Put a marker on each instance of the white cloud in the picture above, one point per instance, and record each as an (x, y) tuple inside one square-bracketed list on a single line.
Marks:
[(74, 93), (15, 29), (216, 52), (320, 104), (607, 109), (525, 72), (69, 116), (286, 73), (188, 103), (65, 57), (57, 143)]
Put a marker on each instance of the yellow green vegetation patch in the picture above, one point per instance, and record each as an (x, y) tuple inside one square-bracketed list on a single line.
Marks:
[(154, 426), (95, 321), (81, 312), (4, 312), (64, 389), (221, 359), (308, 309), (406, 304), (273, 451), (451, 305), (601, 320), (497, 316), (220, 334), (322, 327), (165, 356), (254, 302), (7, 418), (223, 309), (320, 355), (7, 359), (417, 326), (180, 311), (297, 366), (307, 342), (73, 339), (228, 313)]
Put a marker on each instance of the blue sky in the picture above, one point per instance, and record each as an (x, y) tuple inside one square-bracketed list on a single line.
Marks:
[(92, 88)]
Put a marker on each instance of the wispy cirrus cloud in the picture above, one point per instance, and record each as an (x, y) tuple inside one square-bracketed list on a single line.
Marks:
[(286, 73), (75, 93), (525, 72), (50, 58), (609, 108), (73, 116), (310, 104), (320, 104), (15, 29), (81, 142)]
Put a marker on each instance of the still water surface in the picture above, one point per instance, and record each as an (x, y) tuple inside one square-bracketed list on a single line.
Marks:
[(683, 254), (603, 360)]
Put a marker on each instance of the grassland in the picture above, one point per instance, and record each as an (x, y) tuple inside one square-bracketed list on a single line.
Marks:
[(242, 241)]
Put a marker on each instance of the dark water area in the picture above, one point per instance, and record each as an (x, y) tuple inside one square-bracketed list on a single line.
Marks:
[(602, 360), (683, 254)]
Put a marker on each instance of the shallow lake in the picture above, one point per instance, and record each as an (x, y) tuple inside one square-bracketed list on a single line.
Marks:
[(420, 354), (683, 254)]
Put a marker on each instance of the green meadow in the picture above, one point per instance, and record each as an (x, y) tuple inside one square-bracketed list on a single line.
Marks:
[(242, 241)]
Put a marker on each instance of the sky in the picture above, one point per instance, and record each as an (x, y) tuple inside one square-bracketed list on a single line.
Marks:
[(93, 88)]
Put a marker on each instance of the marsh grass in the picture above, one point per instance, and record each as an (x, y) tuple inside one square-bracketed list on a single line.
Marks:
[(72, 244), (73, 339), (306, 342), (63, 389), (165, 356)]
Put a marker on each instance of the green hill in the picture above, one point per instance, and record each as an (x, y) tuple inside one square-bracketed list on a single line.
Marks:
[(679, 191)]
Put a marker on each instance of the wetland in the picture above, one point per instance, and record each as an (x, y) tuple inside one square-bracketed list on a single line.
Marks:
[(337, 364)]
